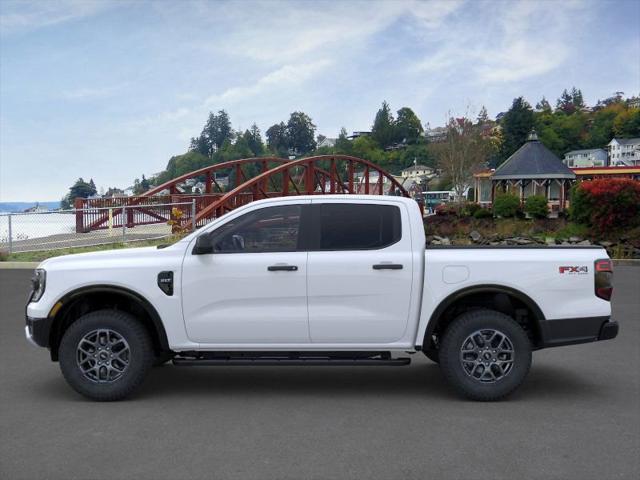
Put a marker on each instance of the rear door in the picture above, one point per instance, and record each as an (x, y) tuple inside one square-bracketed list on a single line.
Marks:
[(359, 272)]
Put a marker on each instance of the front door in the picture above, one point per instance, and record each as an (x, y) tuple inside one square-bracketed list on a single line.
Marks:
[(252, 289), (360, 273)]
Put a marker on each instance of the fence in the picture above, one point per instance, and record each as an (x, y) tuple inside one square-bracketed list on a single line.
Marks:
[(92, 213), (50, 230)]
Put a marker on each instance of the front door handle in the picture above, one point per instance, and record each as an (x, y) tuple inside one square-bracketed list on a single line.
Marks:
[(282, 268), (387, 266)]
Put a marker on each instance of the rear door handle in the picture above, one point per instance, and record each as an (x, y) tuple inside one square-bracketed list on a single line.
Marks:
[(282, 268), (387, 266)]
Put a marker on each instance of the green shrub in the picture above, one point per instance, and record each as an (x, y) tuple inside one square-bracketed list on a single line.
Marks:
[(483, 213), (581, 205), (536, 206), (469, 209), (506, 205)]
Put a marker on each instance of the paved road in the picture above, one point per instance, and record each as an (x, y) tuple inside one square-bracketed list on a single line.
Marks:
[(577, 417)]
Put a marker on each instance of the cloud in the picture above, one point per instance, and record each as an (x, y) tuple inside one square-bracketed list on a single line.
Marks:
[(286, 45), (526, 40), (23, 15), (281, 32), (285, 77)]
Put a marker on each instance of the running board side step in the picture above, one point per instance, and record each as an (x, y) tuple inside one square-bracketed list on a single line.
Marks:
[(290, 359)]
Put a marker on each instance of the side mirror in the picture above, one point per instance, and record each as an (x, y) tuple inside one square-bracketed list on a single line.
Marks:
[(203, 245)]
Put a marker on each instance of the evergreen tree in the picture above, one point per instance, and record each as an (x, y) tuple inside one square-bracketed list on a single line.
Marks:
[(253, 139), (543, 106), (200, 145), (144, 183), (343, 144), (517, 123), (483, 116), (382, 130), (576, 99), (80, 189), (565, 103), (216, 131)]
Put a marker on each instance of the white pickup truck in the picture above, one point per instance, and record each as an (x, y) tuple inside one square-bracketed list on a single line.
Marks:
[(317, 280)]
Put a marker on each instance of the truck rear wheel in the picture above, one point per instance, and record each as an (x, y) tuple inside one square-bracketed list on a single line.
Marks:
[(485, 355), (105, 355)]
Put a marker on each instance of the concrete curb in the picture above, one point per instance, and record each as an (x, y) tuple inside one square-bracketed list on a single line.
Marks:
[(18, 265), (629, 262)]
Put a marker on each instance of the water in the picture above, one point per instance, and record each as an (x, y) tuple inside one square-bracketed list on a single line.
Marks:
[(28, 226)]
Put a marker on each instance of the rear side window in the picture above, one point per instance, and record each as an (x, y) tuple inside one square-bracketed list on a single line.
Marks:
[(348, 226)]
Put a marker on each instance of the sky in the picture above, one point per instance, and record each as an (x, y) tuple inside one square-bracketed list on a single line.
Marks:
[(110, 90)]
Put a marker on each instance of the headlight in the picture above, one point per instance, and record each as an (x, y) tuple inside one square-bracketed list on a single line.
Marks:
[(38, 284)]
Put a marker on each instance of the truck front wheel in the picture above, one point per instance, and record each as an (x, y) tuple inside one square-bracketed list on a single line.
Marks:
[(485, 355), (105, 355)]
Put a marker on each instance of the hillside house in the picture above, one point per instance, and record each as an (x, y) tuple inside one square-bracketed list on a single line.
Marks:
[(624, 152), (593, 157)]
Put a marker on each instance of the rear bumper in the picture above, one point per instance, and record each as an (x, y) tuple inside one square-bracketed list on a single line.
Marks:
[(37, 331), (571, 331)]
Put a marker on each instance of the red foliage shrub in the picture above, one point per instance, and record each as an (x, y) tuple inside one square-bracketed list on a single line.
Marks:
[(446, 209), (607, 204)]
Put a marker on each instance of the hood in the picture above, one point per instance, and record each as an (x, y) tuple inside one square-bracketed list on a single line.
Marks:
[(106, 258)]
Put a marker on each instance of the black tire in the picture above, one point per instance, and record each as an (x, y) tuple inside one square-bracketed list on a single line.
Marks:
[(115, 326), (432, 354), (473, 328)]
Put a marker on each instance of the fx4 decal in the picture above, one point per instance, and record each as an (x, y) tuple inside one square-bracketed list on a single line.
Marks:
[(574, 270)]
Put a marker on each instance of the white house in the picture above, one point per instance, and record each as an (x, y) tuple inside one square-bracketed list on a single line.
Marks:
[(418, 172), (594, 157), (327, 142), (624, 152), (435, 135)]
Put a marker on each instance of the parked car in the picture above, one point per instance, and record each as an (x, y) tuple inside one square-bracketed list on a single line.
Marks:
[(317, 280)]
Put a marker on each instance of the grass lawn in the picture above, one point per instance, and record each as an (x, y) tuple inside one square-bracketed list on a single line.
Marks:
[(44, 254)]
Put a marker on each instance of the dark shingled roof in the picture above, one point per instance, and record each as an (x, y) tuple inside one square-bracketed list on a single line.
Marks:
[(533, 160)]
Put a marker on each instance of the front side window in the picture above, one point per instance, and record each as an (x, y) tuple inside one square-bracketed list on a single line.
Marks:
[(347, 226), (270, 229)]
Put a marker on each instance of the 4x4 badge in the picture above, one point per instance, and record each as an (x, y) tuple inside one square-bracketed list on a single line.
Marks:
[(574, 270)]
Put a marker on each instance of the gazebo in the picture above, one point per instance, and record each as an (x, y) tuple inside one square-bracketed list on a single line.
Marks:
[(532, 170)]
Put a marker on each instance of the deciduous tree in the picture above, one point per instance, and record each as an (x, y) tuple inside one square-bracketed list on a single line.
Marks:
[(462, 153), (301, 133), (408, 126), (277, 139)]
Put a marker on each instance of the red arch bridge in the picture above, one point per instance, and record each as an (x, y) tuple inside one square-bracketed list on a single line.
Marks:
[(228, 185)]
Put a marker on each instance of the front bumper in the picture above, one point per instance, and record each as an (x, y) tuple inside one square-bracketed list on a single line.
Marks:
[(571, 331), (37, 331)]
